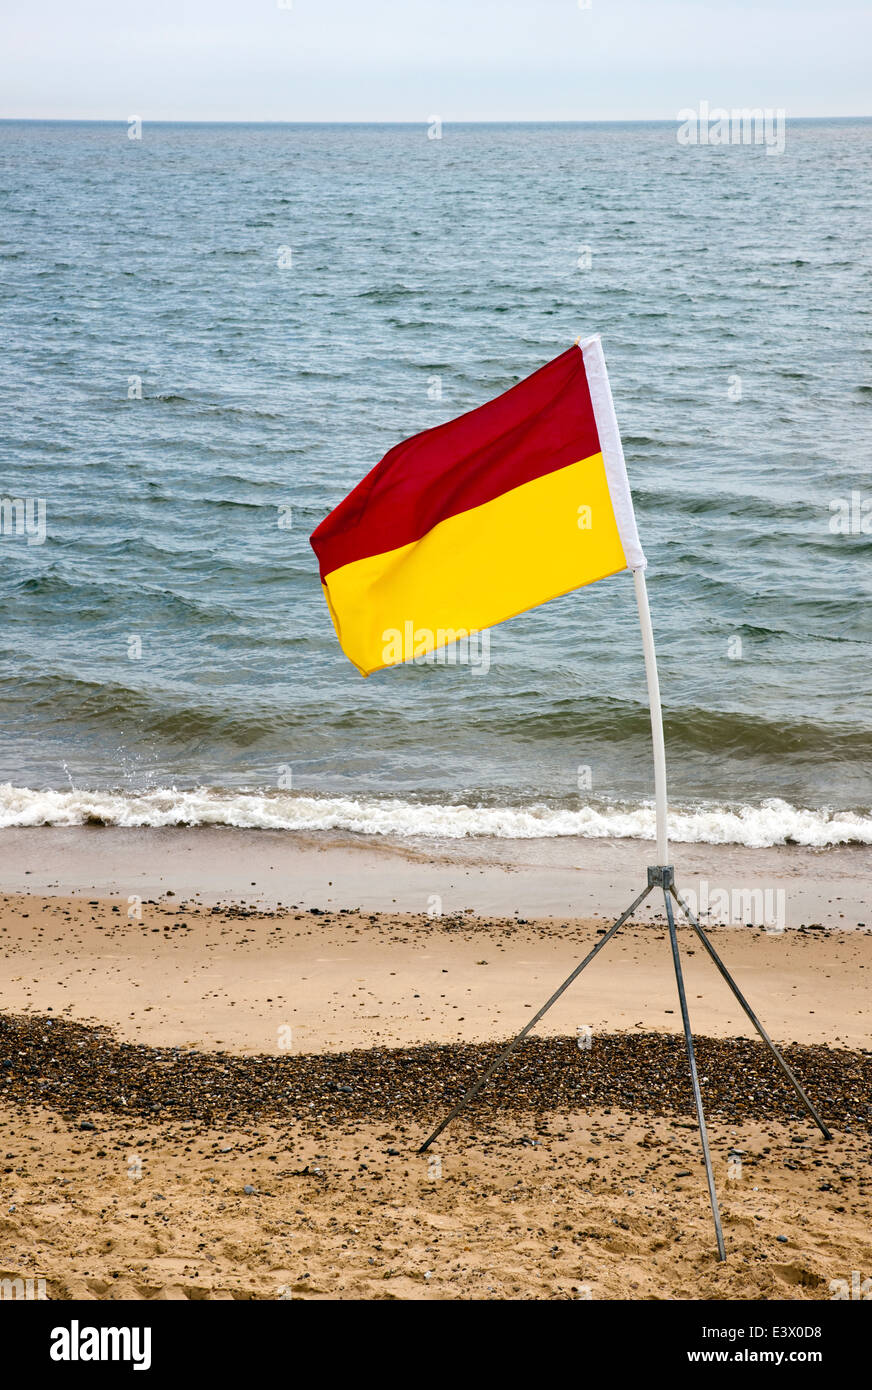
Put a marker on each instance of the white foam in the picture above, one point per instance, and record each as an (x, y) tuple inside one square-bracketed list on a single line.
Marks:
[(774, 822)]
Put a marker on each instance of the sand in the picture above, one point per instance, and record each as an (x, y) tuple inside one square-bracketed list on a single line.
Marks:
[(595, 1206), (593, 1200), (200, 977)]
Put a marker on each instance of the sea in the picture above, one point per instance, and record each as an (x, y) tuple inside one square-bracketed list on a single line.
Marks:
[(211, 332)]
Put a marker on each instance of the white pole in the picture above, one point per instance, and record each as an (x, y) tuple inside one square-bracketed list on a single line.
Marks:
[(622, 504), (656, 715)]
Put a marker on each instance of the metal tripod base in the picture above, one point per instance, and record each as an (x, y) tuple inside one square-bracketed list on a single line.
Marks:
[(659, 876)]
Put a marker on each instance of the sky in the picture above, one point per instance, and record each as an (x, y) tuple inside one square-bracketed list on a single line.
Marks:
[(408, 60)]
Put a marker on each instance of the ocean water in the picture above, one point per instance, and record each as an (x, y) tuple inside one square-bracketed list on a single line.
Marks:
[(293, 300)]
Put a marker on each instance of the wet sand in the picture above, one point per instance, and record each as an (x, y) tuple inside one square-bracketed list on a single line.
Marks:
[(526, 878)]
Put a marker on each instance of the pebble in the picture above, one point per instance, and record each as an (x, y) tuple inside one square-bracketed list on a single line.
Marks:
[(78, 1070)]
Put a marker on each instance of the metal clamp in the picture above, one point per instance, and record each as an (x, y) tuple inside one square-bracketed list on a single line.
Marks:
[(661, 876)]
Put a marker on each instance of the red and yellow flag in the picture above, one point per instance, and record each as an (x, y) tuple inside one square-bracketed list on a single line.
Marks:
[(470, 523)]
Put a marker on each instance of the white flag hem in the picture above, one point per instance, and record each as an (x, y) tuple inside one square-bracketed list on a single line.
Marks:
[(612, 451)]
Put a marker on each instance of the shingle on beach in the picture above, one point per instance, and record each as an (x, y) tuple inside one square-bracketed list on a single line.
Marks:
[(79, 1070)]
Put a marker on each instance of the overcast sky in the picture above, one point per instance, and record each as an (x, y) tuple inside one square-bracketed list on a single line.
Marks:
[(405, 60)]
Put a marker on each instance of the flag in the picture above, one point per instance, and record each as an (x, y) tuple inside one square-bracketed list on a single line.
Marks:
[(458, 528)]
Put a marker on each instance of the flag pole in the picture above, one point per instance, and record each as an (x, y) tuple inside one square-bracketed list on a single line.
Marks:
[(597, 378), (656, 716)]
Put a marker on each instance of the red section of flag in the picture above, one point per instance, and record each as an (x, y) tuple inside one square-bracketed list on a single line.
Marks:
[(544, 423)]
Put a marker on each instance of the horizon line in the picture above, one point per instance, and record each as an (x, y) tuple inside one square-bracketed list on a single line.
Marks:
[(419, 121)]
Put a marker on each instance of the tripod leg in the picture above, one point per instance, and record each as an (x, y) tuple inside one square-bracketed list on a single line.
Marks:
[(498, 1062), (752, 1016), (688, 1036)]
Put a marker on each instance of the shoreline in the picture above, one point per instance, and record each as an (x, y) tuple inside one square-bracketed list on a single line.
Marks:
[(543, 878)]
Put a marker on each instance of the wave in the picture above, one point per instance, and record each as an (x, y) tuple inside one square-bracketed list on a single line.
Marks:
[(774, 822)]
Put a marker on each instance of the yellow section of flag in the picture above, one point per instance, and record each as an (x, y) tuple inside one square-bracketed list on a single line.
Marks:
[(477, 568)]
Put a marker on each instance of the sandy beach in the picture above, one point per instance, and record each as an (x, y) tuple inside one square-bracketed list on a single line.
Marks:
[(597, 1206), (144, 1160), (240, 977)]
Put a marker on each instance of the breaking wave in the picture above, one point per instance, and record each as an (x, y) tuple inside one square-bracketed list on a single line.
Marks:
[(774, 822)]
